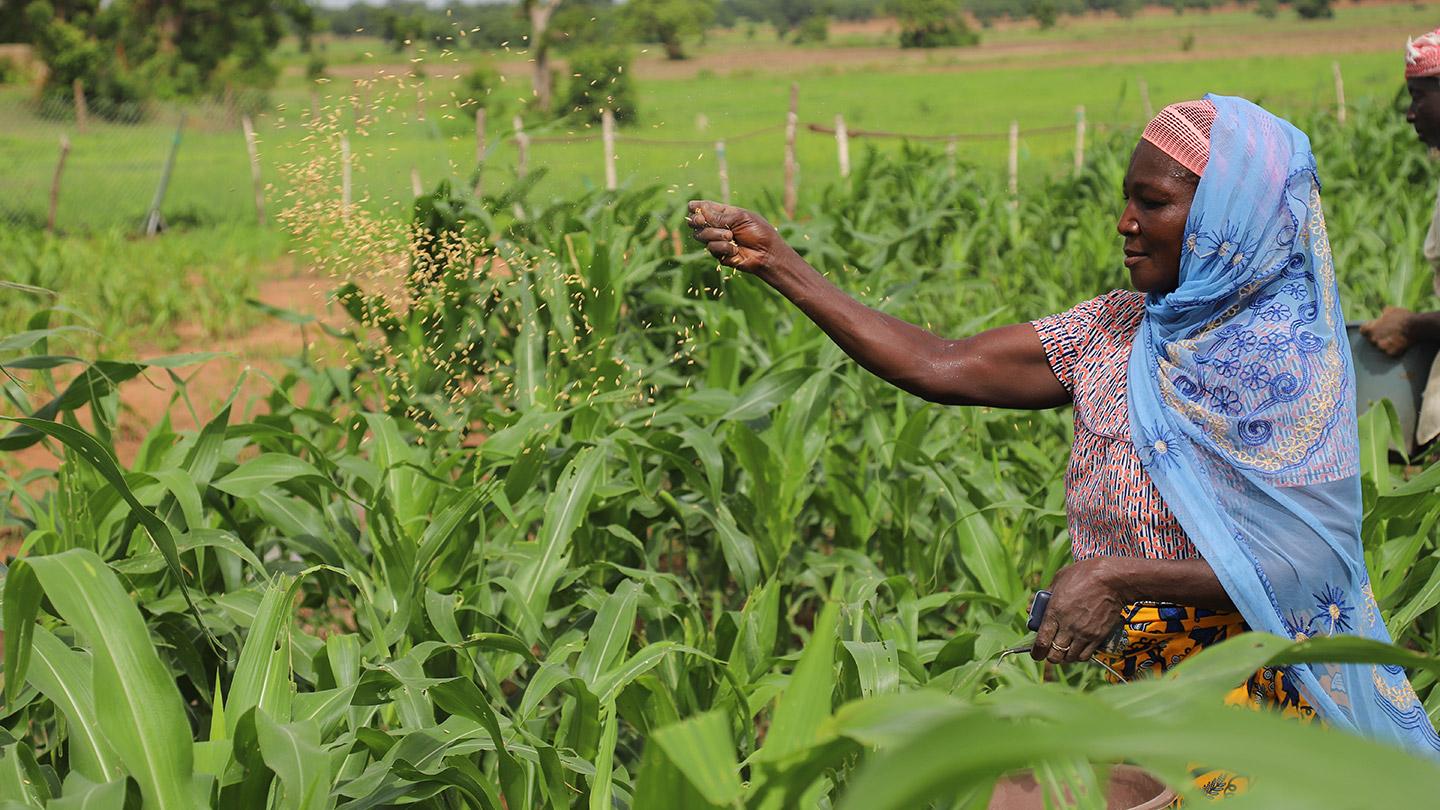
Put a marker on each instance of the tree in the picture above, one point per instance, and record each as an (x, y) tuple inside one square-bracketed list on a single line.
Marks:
[(1314, 9), (787, 15), (600, 80), (668, 22), (126, 49), (539, 13), (932, 24)]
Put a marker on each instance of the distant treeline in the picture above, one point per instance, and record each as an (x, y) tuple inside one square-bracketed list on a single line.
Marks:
[(581, 21)]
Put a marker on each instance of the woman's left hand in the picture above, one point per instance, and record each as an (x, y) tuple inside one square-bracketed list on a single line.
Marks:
[(1085, 605)]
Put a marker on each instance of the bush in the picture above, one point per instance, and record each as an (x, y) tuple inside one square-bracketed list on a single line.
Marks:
[(10, 73), (1314, 9), (600, 79), (932, 24), (481, 88), (315, 67), (1267, 8), (813, 29)]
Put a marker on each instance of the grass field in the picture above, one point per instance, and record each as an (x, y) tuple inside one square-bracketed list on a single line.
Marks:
[(1019, 73), (547, 512)]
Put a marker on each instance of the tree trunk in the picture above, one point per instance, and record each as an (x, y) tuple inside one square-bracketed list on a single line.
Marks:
[(674, 48), (540, 11)]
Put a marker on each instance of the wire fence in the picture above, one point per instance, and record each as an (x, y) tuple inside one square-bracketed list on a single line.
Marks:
[(72, 164)]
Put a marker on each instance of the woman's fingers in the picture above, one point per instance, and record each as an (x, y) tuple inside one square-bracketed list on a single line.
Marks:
[(715, 235), (1062, 649), (1045, 636), (703, 213), (1089, 650), (721, 249)]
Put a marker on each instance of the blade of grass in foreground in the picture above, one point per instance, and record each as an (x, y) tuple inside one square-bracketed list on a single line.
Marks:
[(142, 714)]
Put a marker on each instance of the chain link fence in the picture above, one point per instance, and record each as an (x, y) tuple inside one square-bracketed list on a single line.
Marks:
[(99, 166)]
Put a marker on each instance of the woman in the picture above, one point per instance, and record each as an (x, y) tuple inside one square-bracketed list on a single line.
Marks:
[(1214, 481), (1397, 329)]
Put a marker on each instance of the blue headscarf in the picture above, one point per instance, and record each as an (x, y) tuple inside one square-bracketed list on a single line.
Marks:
[(1242, 407)]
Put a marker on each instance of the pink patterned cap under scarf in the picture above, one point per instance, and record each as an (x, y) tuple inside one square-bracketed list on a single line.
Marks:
[(1422, 56), (1182, 131)]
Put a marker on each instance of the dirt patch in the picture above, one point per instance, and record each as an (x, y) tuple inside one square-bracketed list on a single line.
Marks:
[(248, 362)]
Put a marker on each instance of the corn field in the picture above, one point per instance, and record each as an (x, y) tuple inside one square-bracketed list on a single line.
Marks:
[(582, 521)]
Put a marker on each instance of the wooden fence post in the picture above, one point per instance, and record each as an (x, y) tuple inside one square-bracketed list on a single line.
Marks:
[(1079, 139), (842, 145), (607, 137), (255, 179), (522, 158), (345, 176), (952, 150), (1145, 100), (724, 172), (155, 221), (416, 189), (55, 184), (1339, 92), (479, 147), (82, 110), (1014, 164), (792, 168), (522, 144), (314, 106)]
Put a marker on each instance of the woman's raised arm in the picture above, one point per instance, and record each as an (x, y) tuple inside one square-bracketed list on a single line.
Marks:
[(1002, 367)]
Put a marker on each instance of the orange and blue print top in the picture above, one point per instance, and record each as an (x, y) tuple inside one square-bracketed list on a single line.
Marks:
[(1111, 506)]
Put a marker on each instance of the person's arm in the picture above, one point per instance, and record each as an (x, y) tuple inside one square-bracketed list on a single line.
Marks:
[(1088, 597), (1002, 367), (1397, 329)]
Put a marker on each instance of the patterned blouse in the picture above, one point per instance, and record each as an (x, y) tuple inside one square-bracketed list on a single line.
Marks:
[(1111, 506)]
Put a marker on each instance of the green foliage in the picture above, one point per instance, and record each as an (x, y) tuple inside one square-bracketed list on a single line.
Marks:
[(580, 522), (1314, 9), (813, 29), (789, 15), (668, 22), (315, 66), (932, 24), (130, 303), (10, 73), (125, 52), (1267, 8), (600, 78), (481, 87)]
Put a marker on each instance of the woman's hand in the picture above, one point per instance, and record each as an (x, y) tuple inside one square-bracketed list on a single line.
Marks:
[(1085, 605), (1391, 331), (736, 237)]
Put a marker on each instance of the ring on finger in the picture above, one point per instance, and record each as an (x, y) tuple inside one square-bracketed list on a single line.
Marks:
[(1064, 648)]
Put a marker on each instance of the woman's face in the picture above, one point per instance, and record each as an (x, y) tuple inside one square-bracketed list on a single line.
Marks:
[(1158, 192), (1424, 111)]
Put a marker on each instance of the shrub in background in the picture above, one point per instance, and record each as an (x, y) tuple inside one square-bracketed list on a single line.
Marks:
[(813, 29), (600, 79), (932, 24)]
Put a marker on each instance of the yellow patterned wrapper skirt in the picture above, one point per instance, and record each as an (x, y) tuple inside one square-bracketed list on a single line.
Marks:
[(1159, 636)]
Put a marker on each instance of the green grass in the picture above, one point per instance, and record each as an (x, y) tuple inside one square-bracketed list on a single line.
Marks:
[(113, 170), (693, 536), (133, 293)]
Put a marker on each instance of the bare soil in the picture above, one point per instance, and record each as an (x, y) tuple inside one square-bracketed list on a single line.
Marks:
[(248, 359)]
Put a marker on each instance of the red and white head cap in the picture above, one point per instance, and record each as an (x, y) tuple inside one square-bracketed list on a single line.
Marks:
[(1182, 131), (1422, 56)]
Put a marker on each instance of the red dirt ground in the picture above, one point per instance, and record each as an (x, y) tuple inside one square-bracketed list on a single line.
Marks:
[(256, 353)]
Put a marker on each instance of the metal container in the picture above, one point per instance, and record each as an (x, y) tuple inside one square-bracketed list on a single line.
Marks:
[(1399, 379)]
